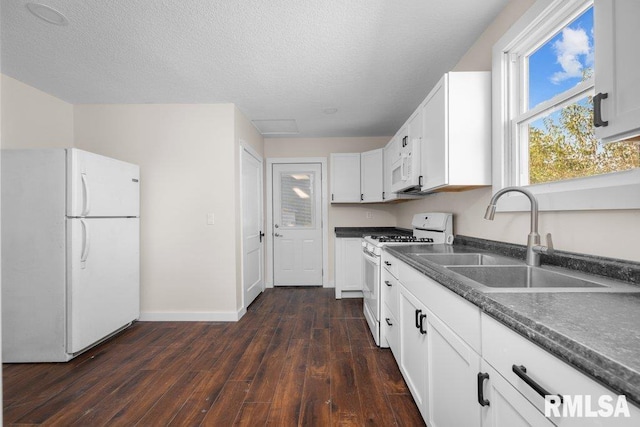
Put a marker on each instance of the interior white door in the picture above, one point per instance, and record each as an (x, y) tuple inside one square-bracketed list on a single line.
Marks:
[(252, 235), (297, 224), (103, 278)]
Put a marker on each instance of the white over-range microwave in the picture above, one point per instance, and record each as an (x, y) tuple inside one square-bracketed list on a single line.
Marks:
[(405, 170)]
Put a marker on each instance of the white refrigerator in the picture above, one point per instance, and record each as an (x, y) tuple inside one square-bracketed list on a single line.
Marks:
[(70, 252)]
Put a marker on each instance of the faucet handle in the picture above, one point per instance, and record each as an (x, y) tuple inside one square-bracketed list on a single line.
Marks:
[(549, 244), (544, 249)]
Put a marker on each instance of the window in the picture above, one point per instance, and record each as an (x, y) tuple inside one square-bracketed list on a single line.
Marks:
[(543, 111)]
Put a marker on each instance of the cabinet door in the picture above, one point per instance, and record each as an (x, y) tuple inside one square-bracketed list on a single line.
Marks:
[(371, 175), (345, 177), (434, 153), (413, 348), (348, 265), (505, 406), (452, 370), (389, 331), (617, 60), (390, 153)]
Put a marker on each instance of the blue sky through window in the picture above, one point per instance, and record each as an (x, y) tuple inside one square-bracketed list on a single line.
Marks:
[(558, 64)]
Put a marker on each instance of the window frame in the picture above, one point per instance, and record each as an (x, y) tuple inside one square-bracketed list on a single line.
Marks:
[(617, 190)]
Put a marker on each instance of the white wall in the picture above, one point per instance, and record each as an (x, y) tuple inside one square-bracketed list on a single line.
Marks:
[(605, 233), (340, 215), (34, 119), (186, 155)]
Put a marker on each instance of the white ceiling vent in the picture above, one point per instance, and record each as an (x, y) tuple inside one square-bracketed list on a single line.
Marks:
[(276, 127)]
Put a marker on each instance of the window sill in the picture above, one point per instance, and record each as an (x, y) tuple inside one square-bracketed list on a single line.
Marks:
[(619, 190)]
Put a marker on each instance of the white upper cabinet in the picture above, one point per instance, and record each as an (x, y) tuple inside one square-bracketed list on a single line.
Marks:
[(456, 140), (345, 177), (390, 154), (617, 60), (371, 177), (414, 145)]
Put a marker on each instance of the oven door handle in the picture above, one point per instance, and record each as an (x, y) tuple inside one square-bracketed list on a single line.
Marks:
[(370, 256)]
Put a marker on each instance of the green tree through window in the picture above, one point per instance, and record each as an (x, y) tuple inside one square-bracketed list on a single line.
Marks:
[(563, 146)]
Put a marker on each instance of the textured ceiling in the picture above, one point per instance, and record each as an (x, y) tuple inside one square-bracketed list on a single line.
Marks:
[(372, 60)]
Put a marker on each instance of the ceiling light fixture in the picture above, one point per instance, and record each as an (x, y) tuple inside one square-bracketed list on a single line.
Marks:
[(47, 14), (330, 110)]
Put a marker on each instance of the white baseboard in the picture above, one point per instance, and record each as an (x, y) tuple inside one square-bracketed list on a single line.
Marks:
[(350, 294), (195, 316)]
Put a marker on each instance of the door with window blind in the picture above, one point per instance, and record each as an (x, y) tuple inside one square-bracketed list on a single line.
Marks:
[(297, 224)]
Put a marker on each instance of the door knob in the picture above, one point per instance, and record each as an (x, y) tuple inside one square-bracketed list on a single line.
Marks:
[(276, 225), (278, 235)]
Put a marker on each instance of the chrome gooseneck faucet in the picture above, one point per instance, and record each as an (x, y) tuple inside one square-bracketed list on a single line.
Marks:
[(533, 240)]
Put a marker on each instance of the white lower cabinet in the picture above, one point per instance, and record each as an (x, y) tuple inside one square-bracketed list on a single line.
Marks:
[(456, 380), (438, 366), (451, 369), (508, 352), (413, 348), (502, 404), (389, 326), (390, 330), (348, 267)]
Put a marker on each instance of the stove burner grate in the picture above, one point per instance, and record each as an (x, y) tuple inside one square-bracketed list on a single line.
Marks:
[(402, 239)]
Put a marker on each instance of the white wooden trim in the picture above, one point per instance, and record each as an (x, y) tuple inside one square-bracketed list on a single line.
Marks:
[(619, 190), (325, 215), (196, 316)]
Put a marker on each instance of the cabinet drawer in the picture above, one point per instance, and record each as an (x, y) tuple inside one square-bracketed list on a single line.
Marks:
[(390, 330), (505, 406), (389, 292), (503, 348), (457, 313), (390, 264)]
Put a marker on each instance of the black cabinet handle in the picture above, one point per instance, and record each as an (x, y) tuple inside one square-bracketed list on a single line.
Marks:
[(420, 181), (361, 197), (481, 377), (261, 236), (383, 195), (521, 372), (388, 321), (597, 111), (387, 263), (422, 317), (388, 283), (418, 312), (332, 197)]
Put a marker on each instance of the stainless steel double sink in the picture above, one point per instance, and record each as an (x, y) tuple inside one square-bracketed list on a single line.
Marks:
[(496, 273)]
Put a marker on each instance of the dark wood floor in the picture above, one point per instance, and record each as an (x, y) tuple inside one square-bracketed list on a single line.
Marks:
[(298, 357)]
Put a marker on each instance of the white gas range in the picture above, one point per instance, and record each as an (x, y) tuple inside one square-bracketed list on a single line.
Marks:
[(428, 228)]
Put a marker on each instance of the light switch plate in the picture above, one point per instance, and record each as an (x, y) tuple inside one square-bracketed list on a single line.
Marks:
[(210, 219)]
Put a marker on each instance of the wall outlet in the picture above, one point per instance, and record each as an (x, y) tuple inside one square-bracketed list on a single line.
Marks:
[(210, 219), (369, 215)]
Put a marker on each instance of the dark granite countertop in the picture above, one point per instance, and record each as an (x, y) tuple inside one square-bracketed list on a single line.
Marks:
[(596, 332), (368, 231)]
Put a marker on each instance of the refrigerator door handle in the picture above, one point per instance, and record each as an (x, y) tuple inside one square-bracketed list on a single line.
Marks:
[(86, 243), (86, 206)]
